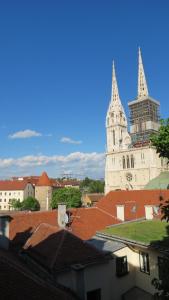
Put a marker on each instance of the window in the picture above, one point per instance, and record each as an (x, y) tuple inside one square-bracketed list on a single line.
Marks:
[(9, 194), (94, 295), (124, 162), (128, 162), (0, 200), (121, 266), (144, 262), (4, 200), (113, 137), (132, 161)]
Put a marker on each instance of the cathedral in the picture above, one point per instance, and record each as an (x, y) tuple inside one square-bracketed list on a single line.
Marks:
[(131, 160)]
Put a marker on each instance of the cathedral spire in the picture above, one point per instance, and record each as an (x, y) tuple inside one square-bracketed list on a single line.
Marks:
[(115, 92), (142, 84)]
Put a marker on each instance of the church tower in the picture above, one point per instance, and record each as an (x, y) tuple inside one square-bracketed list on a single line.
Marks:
[(131, 161), (116, 121), (144, 111)]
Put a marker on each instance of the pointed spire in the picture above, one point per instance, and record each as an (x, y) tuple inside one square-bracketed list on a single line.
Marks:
[(142, 84), (115, 92)]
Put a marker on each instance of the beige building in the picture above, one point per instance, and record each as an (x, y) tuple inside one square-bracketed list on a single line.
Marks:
[(14, 189), (131, 161)]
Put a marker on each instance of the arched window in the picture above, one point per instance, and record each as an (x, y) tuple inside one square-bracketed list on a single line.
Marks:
[(132, 161), (114, 138), (124, 162), (128, 162)]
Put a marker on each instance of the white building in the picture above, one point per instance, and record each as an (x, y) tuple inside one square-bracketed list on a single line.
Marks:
[(137, 261), (14, 189), (131, 161)]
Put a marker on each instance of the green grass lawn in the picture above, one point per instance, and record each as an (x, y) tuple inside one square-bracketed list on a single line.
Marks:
[(145, 231)]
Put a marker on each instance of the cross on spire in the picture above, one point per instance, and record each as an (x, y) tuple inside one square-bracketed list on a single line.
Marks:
[(142, 84)]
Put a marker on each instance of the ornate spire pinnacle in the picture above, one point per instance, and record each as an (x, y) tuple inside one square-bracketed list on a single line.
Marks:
[(115, 92), (142, 84), (115, 99)]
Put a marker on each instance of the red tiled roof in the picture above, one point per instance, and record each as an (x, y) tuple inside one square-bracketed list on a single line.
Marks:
[(44, 180), (31, 179), (12, 185), (24, 223), (59, 249), (84, 222), (16, 282), (129, 199)]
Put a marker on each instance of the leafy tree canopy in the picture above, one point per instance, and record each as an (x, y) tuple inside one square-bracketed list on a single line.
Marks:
[(70, 196), (92, 186), (29, 203), (15, 204), (161, 139)]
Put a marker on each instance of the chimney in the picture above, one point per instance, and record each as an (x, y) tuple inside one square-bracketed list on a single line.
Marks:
[(4, 231), (62, 215)]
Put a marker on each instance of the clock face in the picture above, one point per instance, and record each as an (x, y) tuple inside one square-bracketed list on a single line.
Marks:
[(129, 177)]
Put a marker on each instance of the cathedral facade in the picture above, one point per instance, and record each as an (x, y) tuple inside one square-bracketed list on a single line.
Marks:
[(131, 160)]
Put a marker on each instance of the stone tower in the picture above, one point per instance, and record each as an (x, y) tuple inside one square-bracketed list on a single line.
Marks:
[(116, 121), (43, 191)]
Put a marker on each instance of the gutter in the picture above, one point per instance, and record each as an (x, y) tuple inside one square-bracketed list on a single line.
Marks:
[(122, 240)]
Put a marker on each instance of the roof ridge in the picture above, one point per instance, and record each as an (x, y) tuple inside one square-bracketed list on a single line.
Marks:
[(106, 212), (60, 245)]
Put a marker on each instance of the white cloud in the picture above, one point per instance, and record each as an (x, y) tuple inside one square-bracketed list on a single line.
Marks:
[(24, 134), (69, 140), (84, 164)]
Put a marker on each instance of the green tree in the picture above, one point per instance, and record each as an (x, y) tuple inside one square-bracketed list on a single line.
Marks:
[(92, 186), (30, 203), (15, 204), (70, 196), (161, 139), (162, 284), (96, 186)]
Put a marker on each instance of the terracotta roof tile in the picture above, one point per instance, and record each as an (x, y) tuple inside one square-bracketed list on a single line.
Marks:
[(16, 282), (58, 250), (84, 223), (129, 199), (44, 180), (12, 185)]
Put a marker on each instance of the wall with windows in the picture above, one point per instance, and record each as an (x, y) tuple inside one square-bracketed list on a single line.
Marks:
[(132, 168), (90, 281), (143, 264), (6, 196)]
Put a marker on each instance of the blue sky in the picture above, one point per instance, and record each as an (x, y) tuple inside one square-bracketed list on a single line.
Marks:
[(55, 78)]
